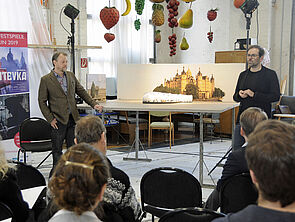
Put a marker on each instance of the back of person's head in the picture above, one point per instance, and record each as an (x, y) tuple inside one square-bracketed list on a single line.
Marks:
[(89, 129), (250, 118), (270, 155), (79, 179)]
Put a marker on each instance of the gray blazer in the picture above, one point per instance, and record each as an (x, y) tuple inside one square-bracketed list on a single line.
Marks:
[(53, 101)]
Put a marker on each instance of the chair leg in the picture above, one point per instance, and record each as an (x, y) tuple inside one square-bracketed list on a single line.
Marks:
[(44, 160), (149, 138), (25, 157), (153, 218), (18, 154), (173, 135), (170, 138)]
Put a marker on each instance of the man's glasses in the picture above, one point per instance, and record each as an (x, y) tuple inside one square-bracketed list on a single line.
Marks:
[(252, 55)]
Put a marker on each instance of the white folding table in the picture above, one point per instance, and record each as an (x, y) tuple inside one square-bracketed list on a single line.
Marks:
[(194, 107)]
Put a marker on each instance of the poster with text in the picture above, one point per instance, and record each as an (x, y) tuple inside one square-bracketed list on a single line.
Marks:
[(14, 76), (14, 83)]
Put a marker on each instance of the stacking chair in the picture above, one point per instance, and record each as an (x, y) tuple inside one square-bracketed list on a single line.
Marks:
[(160, 125), (35, 136), (5, 212), (29, 177), (164, 189), (236, 193), (211, 122), (191, 215)]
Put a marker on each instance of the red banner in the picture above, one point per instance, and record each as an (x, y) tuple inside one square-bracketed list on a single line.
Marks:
[(13, 39)]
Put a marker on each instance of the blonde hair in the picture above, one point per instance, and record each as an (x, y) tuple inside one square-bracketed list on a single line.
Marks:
[(4, 165), (78, 178)]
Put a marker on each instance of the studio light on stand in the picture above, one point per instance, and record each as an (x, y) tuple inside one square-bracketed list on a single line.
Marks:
[(248, 7), (71, 12)]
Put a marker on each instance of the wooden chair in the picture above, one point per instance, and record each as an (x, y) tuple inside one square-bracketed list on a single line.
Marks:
[(128, 124), (160, 125)]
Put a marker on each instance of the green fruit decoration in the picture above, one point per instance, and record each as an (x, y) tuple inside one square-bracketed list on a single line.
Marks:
[(184, 45), (137, 24)]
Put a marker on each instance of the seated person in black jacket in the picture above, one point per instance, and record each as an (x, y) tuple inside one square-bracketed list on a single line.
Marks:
[(10, 193), (270, 156), (236, 161)]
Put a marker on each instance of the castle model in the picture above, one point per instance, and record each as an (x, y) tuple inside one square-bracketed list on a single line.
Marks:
[(205, 85)]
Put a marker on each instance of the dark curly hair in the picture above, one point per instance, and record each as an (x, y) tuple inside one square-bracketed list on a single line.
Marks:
[(78, 178)]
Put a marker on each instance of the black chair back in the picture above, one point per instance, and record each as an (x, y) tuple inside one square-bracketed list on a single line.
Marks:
[(28, 176), (169, 188), (289, 101), (236, 193), (5, 211), (191, 215), (35, 136)]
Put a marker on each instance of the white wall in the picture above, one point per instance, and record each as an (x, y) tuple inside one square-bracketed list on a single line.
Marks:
[(274, 19), (274, 22)]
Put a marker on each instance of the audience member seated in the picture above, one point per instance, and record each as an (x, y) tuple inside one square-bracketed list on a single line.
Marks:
[(270, 156), (78, 184), (236, 161), (10, 193), (119, 200)]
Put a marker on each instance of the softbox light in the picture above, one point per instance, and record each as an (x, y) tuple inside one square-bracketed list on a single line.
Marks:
[(249, 6), (71, 11)]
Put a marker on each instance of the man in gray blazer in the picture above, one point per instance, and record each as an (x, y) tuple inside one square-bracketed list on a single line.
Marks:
[(57, 103)]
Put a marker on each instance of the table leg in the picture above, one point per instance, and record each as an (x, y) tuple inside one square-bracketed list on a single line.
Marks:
[(136, 144), (201, 150)]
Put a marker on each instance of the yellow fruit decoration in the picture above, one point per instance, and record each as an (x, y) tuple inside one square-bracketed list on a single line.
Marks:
[(186, 21), (128, 3), (188, 1)]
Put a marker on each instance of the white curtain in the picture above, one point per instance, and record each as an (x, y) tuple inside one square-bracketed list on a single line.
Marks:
[(27, 16), (129, 46)]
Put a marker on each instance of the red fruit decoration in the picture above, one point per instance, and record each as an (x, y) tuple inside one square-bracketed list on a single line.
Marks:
[(109, 37), (172, 7), (109, 17), (172, 44), (238, 3), (210, 35), (212, 14)]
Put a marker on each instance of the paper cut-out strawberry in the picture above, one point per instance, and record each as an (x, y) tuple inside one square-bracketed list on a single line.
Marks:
[(109, 17), (109, 37)]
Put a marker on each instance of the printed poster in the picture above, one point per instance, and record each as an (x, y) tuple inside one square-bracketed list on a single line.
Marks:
[(14, 83)]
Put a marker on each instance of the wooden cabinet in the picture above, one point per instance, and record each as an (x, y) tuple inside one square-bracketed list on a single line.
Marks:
[(237, 56), (226, 122)]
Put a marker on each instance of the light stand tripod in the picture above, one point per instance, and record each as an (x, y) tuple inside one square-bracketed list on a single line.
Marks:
[(72, 13), (72, 39), (248, 17)]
